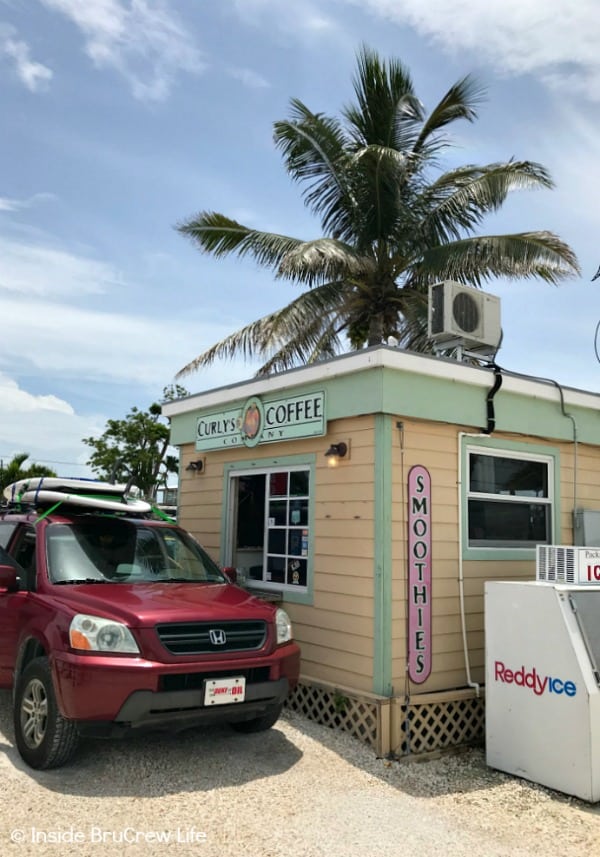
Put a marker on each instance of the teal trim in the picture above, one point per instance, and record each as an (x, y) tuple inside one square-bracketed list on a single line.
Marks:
[(385, 390), (308, 461), (382, 570), (491, 442), (346, 396)]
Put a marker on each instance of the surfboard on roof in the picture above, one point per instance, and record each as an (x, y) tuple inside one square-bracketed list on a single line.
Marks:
[(85, 493)]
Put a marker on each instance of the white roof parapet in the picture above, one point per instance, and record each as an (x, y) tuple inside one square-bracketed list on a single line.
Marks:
[(383, 357)]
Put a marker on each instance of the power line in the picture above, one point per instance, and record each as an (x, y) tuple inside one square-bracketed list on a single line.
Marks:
[(47, 460)]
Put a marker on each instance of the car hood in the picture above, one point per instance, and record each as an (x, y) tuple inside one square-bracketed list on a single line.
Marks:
[(146, 604)]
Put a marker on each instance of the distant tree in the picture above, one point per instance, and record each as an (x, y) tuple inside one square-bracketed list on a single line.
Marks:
[(136, 448), (15, 470), (392, 224)]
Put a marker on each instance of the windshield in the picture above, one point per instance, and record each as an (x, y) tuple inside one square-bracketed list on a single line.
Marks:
[(117, 551)]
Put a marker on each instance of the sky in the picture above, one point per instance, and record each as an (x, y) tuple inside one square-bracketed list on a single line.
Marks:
[(122, 118)]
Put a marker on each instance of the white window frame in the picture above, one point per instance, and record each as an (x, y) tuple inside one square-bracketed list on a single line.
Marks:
[(266, 471), (549, 501)]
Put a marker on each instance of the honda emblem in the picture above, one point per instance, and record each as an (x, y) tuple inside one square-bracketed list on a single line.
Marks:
[(217, 636)]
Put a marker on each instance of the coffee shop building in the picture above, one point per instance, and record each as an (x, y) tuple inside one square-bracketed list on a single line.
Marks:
[(373, 495)]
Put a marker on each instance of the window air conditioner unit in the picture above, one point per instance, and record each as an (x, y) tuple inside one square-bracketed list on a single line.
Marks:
[(566, 564), (462, 315)]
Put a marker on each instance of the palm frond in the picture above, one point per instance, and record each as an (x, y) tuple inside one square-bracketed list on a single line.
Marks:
[(459, 200), (476, 260), (219, 235), (379, 175), (324, 343), (386, 103), (394, 160), (324, 259), (315, 151), (460, 102), (299, 323)]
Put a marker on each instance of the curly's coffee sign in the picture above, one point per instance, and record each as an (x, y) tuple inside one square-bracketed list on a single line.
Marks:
[(263, 421)]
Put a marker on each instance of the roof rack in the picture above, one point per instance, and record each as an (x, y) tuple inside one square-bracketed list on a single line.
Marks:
[(86, 495)]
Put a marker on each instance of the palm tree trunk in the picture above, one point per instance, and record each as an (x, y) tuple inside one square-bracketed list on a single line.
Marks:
[(375, 329)]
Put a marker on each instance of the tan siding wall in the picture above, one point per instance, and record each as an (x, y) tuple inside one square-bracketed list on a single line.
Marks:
[(336, 632), (435, 446), (200, 501)]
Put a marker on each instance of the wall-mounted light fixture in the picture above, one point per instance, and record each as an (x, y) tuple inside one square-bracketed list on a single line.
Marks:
[(196, 466), (335, 452)]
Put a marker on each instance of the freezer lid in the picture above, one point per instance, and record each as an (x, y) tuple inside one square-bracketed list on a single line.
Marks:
[(586, 606)]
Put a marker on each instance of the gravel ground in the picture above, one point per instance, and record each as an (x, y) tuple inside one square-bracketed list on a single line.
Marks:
[(300, 790)]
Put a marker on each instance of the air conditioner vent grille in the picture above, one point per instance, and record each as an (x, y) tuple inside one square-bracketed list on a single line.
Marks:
[(436, 310), (466, 312), (555, 564)]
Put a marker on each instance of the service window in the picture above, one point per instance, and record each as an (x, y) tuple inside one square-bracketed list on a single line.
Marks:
[(270, 528), (510, 499)]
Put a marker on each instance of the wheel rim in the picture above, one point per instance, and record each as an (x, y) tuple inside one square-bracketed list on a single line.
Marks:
[(34, 713)]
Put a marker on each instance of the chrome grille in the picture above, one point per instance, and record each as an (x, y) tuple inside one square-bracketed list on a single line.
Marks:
[(194, 638)]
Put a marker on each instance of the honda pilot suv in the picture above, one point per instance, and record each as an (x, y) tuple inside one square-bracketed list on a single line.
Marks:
[(114, 623)]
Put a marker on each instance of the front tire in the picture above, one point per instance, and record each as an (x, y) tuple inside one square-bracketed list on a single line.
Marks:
[(259, 724), (43, 737)]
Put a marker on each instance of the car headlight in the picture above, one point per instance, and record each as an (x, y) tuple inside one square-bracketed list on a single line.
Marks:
[(283, 626), (93, 634)]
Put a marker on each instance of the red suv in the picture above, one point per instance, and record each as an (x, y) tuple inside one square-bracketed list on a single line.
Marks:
[(111, 623)]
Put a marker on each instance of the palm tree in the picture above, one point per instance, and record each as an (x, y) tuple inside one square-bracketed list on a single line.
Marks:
[(15, 470), (393, 223)]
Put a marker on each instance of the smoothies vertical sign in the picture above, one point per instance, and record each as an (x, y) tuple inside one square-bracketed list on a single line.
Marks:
[(419, 574)]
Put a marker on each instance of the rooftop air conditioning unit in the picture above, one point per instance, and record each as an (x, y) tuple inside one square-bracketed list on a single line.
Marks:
[(566, 564), (462, 315)]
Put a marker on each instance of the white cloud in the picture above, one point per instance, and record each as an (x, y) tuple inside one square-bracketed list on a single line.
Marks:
[(60, 339), (140, 39), (7, 204), (300, 19), (249, 78), (13, 398), (34, 75), (556, 40), (37, 270), (46, 427), (48, 327), (10, 204)]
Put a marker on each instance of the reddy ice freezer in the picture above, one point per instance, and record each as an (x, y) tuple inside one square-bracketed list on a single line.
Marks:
[(543, 684)]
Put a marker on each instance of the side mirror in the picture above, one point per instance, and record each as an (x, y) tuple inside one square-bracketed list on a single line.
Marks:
[(9, 581), (230, 573)]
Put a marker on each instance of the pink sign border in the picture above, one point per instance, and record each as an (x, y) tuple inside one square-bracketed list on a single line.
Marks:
[(419, 574)]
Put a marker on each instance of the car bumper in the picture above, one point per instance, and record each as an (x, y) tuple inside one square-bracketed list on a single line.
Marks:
[(180, 710), (131, 691)]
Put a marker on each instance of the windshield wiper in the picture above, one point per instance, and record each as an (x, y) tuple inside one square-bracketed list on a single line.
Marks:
[(80, 580)]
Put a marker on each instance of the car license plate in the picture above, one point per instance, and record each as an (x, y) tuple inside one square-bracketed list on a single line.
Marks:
[(221, 691)]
